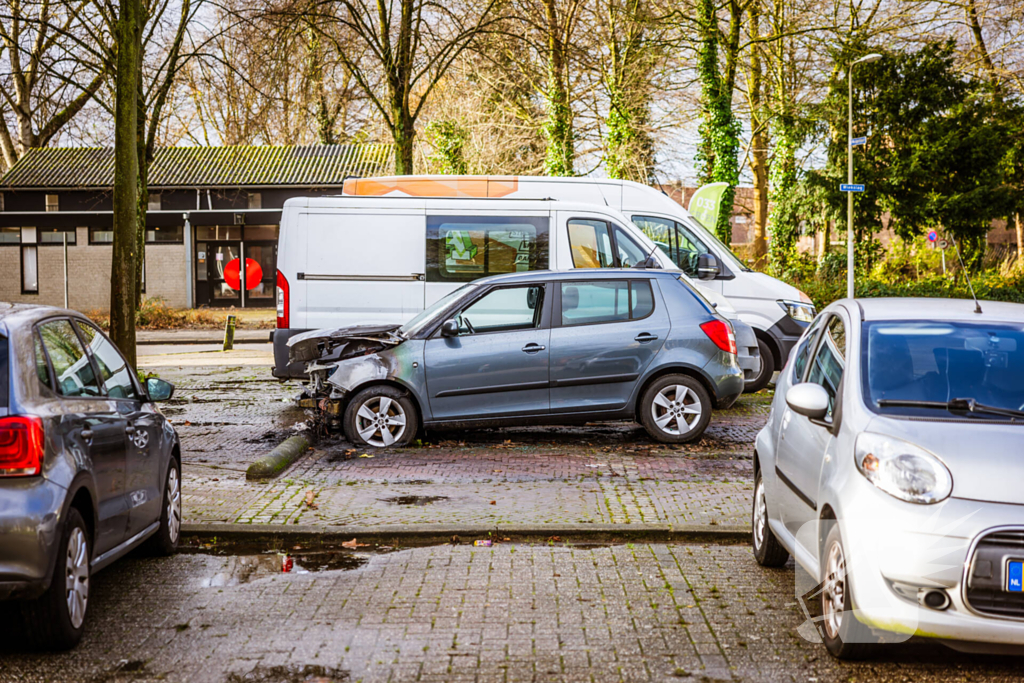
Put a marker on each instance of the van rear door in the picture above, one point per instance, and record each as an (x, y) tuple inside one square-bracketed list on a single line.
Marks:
[(363, 266)]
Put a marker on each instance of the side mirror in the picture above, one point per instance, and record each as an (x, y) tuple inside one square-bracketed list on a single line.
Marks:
[(808, 399), (449, 328), (158, 389), (707, 267)]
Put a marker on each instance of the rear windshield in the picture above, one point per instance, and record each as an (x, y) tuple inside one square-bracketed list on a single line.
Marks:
[(942, 361), (4, 374)]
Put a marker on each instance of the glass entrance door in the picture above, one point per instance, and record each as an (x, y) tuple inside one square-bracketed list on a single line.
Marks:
[(212, 288), (221, 278)]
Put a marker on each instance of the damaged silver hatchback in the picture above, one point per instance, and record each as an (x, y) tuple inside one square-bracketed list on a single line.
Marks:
[(529, 348)]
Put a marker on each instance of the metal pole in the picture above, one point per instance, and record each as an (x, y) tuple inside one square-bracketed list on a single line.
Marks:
[(849, 179), (65, 269)]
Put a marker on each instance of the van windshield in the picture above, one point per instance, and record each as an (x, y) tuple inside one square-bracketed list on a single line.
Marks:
[(725, 250), (430, 315)]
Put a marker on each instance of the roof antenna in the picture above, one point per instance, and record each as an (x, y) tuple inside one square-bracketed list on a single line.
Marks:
[(967, 276)]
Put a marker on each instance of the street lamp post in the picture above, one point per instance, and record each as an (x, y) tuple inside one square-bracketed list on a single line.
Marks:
[(849, 170)]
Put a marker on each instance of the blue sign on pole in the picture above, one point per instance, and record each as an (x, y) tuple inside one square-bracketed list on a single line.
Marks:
[(858, 141), (932, 236), (851, 188)]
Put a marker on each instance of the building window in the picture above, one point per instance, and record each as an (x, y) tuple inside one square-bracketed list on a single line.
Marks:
[(154, 202), (255, 200), (52, 203), (101, 236), (10, 235), (165, 234), (29, 262), (56, 235)]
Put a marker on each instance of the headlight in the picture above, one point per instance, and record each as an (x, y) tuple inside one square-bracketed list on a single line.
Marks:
[(902, 469), (798, 310)]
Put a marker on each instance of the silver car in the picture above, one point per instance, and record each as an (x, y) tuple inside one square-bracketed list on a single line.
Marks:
[(891, 468)]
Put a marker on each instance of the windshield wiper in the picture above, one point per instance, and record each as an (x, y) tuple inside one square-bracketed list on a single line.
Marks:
[(957, 404)]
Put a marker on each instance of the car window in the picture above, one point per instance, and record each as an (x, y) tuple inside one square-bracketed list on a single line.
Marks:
[(675, 239), (803, 350), (630, 253), (115, 374), (71, 365), (506, 309), (590, 243), (463, 248), (830, 361), (605, 301), (42, 369)]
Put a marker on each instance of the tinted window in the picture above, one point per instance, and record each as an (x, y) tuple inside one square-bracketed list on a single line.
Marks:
[(830, 360), (630, 253), (940, 361), (42, 369), (509, 308), (71, 366), (115, 374), (463, 248), (590, 243), (605, 301)]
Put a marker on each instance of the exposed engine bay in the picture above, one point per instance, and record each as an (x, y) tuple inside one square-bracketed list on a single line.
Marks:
[(338, 359)]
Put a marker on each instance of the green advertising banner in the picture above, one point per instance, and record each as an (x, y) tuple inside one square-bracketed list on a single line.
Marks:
[(705, 202)]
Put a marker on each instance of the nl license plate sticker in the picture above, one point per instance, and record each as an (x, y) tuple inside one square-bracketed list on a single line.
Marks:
[(1014, 578)]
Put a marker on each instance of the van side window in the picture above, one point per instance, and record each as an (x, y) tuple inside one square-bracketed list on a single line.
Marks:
[(675, 239), (590, 243), (463, 248), (629, 252)]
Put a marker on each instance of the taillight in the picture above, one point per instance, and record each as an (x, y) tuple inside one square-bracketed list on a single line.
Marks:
[(282, 301), (721, 333), (21, 446)]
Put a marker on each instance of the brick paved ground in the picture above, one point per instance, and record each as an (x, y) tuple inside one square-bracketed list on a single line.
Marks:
[(230, 414), (508, 613)]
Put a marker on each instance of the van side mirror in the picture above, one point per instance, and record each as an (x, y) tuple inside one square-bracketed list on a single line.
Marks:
[(158, 389), (808, 399), (449, 328), (707, 267)]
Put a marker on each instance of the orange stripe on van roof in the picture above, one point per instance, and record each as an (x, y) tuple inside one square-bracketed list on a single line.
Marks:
[(412, 186)]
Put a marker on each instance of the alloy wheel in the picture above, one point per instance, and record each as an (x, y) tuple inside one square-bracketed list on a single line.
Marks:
[(76, 577), (173, 504), (380, 421), (760, 515), (679, 406), (833, 593)]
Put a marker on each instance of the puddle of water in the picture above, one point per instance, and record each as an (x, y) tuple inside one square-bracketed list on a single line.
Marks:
[(412, 500), (291, 674), (247, 562)]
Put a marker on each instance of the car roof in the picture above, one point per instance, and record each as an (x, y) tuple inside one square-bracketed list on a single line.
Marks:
[(13, 315), (936, 309), (579, 273)]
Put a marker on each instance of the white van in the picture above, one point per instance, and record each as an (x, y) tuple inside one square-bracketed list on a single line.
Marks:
[(778, 312), (349, 261)]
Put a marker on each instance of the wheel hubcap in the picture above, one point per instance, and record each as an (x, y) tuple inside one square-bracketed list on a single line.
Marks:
[(380, 421), (173, 504), (677, 410), (760, 515), (833, 593), (76, 577)]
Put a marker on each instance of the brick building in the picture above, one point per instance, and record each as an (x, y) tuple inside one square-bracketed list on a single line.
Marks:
[(208, 207)]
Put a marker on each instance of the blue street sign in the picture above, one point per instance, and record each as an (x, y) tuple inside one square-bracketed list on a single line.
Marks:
[(858, 141), (851, 188), (932, 236)]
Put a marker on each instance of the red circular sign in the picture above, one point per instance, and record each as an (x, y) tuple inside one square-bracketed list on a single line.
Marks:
[(253, 274)]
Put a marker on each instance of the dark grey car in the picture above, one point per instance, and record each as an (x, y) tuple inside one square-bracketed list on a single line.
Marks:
[(89, 467), (542, 347)]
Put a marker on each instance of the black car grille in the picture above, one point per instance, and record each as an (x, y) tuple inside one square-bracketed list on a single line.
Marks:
[(987, 578)]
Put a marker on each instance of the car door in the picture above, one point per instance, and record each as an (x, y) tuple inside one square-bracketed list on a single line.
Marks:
[(605, 334), (144, 465), (92, 424), (498, 363), (804, 444)]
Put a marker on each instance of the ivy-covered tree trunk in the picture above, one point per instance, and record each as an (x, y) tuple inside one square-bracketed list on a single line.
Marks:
[(126, 171), (719, 130), (448, 140), (782, 219), (629, 149), (758, 138), (558, 128)]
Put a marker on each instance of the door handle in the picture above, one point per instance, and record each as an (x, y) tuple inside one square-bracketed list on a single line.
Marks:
[(645, 337), (129, 429), (533, 348)]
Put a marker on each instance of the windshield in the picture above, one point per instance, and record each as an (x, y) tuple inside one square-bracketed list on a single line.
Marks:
[(723, 248), (429, 316), (942, 361)]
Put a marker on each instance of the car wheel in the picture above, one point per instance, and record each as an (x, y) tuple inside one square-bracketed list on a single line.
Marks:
[(165, 540), (767, 550), (765, 374), (56, 620), (675, 409), (845, 637), (381, 417)]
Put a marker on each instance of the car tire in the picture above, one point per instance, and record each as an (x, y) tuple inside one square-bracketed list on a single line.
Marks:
[(56, 620), (767, 371), (165, 540), (844, 636), (365, 427), (668, 401), (767, 550)]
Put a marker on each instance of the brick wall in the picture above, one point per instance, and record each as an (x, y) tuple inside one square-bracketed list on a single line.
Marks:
[(89, 274)]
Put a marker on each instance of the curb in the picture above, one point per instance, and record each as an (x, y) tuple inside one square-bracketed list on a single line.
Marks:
[(434, 534), (195, 342), (275, 462)]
